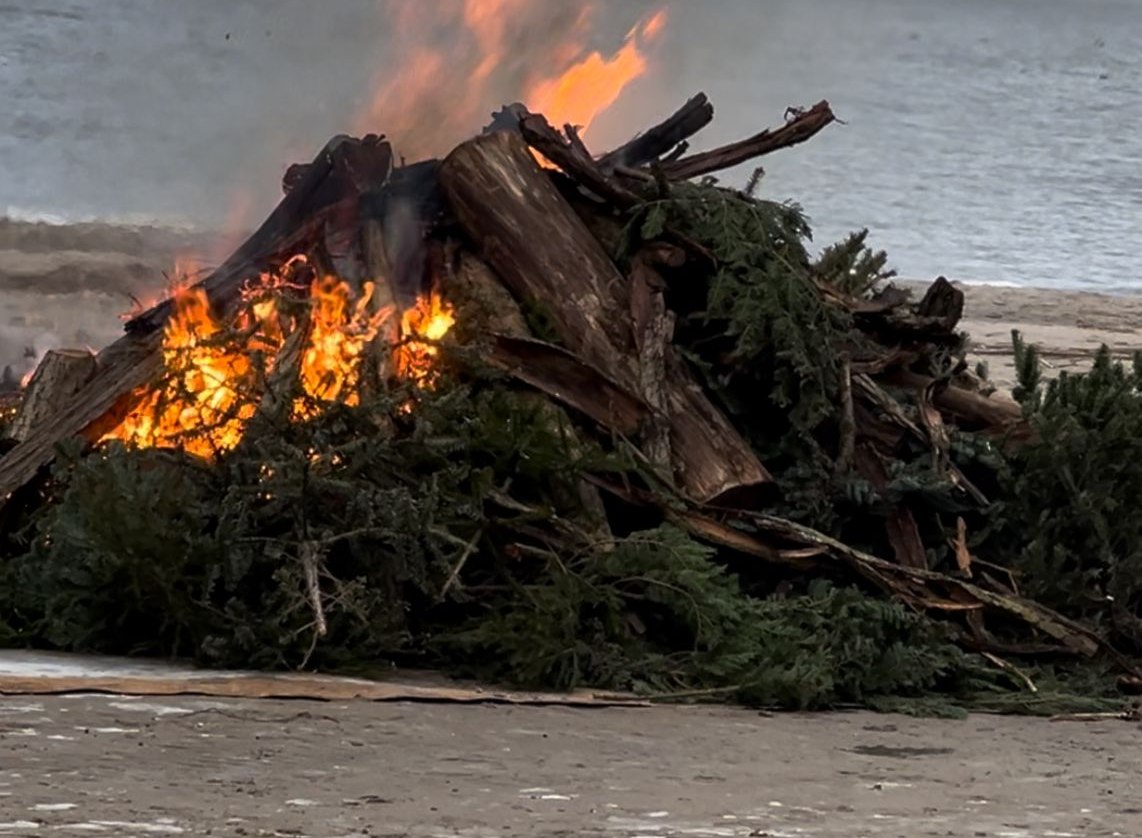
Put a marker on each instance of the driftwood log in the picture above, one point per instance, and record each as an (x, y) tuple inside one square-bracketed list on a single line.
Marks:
[(542, 251), (801, 126), (666, 138)]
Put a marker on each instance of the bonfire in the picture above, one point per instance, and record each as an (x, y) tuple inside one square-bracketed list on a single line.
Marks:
[(684, 363)]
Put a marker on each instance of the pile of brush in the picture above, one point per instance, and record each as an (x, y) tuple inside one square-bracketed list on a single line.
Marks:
[(664, 447)]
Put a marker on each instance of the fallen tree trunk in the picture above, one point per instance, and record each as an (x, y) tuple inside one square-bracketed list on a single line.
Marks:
[(552, 263)]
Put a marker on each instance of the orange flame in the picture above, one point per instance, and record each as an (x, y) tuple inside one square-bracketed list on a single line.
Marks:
[(214, 385), (340, 331), (455, 63), (429, 320), (205, 404), (593, 84)]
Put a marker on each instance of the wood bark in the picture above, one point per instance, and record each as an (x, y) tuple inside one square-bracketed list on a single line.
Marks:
[(570, 156), (653, 326), (544, 367), (666, 138), (470, 284), (123, 367), (942, 300), (803, 126), (334, 182), (61, 373), (570, 380), (979, 412), (379, 270), (550, 261), (900, 526)]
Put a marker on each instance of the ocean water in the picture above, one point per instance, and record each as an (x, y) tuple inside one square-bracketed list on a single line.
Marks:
[(987, 140)]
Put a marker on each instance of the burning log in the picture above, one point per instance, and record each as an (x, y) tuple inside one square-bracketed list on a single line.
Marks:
[(344, 171), (549, 260), (618, 362)]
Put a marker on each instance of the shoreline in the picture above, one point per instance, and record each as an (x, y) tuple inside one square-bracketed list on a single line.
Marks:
[(67, 285), (1067, 326)]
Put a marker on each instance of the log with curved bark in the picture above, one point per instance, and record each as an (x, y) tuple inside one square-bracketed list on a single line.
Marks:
[(344, 171), (551, 262)]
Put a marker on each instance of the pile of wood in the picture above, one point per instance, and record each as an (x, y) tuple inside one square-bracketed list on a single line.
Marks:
[(513, 213)]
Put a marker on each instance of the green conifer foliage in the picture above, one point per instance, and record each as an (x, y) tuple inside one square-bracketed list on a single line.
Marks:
[(1066, 519), (449, 527)]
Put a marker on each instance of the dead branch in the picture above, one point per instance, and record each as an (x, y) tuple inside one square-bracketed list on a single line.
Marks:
[(663, 138), (803, 126)]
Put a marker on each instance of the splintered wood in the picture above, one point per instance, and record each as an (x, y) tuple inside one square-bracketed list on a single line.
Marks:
[(536, 243)]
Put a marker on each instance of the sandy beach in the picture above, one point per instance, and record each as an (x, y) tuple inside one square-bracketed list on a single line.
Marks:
[(118, 765), (69, 285)]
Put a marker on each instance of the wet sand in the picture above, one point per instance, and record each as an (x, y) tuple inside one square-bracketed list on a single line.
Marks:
[(69, 286), (192, 766)]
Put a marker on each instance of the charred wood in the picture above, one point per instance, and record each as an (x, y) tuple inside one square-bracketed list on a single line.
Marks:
[(61, 373), (343, 171), (662, 139)]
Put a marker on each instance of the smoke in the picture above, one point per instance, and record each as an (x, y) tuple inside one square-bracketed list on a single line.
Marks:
[(184, 113), (189, 113)]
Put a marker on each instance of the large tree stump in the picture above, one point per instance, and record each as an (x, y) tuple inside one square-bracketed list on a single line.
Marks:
[(550, 261)]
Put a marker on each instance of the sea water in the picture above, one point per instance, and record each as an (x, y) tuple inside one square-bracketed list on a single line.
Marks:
[(987, 140)]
